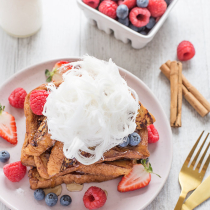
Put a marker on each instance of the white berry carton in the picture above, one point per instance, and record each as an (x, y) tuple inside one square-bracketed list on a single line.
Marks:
[(120, 31)]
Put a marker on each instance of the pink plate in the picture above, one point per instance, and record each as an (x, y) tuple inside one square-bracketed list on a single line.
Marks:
[(161, 152)]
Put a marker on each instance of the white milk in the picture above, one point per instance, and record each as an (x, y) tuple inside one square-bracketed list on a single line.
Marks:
[(20, 18)]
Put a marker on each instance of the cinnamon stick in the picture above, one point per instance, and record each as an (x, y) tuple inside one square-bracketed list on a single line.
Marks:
[(174, 77), (188, 96), (193, 90)]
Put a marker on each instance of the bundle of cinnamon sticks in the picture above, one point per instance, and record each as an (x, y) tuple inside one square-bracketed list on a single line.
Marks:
[(181, 86)]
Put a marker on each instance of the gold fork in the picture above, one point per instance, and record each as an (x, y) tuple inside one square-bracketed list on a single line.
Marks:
[(190, 179)]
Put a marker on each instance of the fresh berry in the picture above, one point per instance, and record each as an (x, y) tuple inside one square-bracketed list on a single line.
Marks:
[(58, 70), (167, 2), (108, 8), (51, 199), (124, 21), (147, 160), (129, 3), (125, 142), (39, 194), (14, 171), (65, 200), (139, 177), (151, 24), (4, 156), (131, 26), (94, 198), (122, 11), (38, 100), (153, 135), (134, 139), (143, 33), (139, 17), (142, 3), (157, 7), (17, 98), (92, 3), (8, 129), (185, 51)]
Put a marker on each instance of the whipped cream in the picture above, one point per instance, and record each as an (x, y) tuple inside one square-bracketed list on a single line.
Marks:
[(92, 110)]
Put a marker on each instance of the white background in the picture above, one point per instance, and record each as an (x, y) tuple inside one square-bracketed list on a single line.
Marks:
[(66, 32)]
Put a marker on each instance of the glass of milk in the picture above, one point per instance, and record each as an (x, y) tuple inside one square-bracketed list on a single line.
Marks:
[(21, 18)]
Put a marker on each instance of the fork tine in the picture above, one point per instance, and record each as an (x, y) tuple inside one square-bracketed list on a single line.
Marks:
[(202, 158), (193, 149), (199, 151), (203, 170)]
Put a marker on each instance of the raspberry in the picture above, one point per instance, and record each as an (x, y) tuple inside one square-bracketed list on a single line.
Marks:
[(108, 8), (14, 171), (153, 135), (129, 3), (17, 98), (157, 7), (185, 51), (38, 100), (94, 198), (92, 3), (139, 17)]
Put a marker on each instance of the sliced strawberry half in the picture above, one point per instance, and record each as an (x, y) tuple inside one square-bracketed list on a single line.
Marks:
[(139, 177), (8, 129), (58, 70)]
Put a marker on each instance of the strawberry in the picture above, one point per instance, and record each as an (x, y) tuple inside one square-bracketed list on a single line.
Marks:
[(139, 177), (56, 74), (8, 129)]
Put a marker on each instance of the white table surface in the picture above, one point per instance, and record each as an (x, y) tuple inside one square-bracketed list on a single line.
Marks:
[(66, 32)]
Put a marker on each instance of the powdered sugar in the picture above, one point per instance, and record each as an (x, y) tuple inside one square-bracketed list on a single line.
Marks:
[(92, 110)]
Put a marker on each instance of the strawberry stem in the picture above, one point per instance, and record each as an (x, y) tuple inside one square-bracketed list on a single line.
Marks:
[(148, 167), (1, 109)]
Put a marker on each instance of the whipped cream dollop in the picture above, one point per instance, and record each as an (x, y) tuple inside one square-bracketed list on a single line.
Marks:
[(92, 110)]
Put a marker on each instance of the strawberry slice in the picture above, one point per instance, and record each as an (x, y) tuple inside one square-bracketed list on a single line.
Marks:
[(139, 177), (56, 74), (8, 129)]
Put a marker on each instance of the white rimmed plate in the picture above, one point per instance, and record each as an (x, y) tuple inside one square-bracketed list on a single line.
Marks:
[(161, 152)]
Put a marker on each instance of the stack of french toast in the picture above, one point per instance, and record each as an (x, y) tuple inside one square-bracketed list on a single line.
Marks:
[(49, 167)]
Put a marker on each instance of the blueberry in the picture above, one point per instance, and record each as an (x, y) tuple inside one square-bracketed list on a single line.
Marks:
[(134, 139), (141, 29), (51, 199), (39, 194), (147, 160), (125, 142), (151, 23), (124, 21), (131, 26), (143, 33), (167, 2), (142, 3), (122, 11), (4, 156), (65, 200)]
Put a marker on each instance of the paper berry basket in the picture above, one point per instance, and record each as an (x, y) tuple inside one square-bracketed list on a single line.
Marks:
[(120, 31)]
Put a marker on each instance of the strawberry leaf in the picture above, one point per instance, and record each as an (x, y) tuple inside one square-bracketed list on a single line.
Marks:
[(47, 73), (148, 167), (49, 79), (1, 108)]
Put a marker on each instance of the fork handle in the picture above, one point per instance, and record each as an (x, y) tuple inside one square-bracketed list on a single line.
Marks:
[(179, 203)]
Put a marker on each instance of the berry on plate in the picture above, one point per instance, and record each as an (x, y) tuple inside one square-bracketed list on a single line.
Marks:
[(143, 33), (56, 74), (151, 24), (39, 194), (17, 98), (92, 3), (14, 171), (51, 199), (38, 100), (108, 8), (8, 129), (65, 200), (134, 139), (124, 21), (139, 177), (125, 142), (153, 135), (157, 7), (185, 51), (129, 3), (142, 3), (122, 11), (4, 156), (139, 17), (94, 198)]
